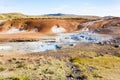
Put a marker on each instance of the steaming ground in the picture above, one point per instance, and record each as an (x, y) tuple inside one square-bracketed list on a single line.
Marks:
[(76, 50), (91, 31), (59, 41)]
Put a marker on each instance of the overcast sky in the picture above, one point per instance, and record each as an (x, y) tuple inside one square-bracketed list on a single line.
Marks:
[(80, 7)]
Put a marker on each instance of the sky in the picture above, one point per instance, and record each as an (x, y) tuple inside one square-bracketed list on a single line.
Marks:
[(79, 7)]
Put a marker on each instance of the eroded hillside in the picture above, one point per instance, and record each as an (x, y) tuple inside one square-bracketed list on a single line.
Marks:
[(106, 25), (34, 28), (41, 25), (37, 27)]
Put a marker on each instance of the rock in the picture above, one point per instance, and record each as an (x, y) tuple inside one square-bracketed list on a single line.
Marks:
[(57, 47), (116, 46), (101, 43), (70, 77), (71, 44)]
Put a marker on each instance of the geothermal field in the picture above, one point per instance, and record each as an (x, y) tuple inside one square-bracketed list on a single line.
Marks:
[(60, 48)]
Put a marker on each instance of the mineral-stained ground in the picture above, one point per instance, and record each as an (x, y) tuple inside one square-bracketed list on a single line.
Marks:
[(60, 48)]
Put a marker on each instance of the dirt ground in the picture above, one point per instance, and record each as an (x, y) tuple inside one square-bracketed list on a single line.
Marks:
[(83, 62)]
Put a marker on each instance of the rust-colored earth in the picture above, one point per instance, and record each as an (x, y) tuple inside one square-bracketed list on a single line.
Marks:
[(34, 28), (42, 25)]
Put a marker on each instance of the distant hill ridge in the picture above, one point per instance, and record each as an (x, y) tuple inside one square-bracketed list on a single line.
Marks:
[(59, 14), (9, 16)]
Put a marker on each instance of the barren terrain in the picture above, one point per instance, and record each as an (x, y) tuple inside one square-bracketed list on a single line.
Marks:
[(59, 48)]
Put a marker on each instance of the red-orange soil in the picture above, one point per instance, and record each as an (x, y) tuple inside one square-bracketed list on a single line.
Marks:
[(44, 25)]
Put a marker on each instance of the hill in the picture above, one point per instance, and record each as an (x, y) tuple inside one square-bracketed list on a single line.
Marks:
[(8, 16)]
